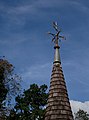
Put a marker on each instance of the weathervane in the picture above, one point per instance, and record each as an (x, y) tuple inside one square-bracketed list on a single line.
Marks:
[(57, 35)]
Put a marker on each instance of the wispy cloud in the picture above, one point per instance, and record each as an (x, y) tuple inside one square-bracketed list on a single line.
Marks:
[(25, 10), (13, 39), (20, 13), (77, 60), (37, 73), (80, 6)]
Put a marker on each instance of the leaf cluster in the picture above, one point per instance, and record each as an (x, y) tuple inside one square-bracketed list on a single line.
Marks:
[(9, 84), (31, 104), (81, 115)]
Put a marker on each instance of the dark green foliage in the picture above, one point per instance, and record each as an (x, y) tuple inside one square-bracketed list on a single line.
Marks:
[(81, 115), (5, 68), (30, 105), (9, 84)]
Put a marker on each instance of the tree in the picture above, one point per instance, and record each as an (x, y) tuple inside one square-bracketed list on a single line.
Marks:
[(31, 104), (9, 84), (81, 115)]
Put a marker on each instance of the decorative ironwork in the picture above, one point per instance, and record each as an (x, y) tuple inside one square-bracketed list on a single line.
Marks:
[(57, 35)]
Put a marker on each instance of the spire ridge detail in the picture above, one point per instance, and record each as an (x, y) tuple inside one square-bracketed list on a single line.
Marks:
[(58, 104)]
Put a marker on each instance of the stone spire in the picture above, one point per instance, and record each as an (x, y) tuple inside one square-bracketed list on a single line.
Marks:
[(58, 105)]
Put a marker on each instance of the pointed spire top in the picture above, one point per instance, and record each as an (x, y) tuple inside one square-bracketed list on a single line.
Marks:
[(55, 39)]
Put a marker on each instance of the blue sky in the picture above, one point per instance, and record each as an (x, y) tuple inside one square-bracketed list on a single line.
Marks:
[(24, 41)]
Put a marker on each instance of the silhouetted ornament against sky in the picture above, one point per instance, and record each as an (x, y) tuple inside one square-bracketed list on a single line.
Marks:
[(58, 105)]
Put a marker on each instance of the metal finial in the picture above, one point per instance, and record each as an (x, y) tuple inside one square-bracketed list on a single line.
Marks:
[(57, 35)]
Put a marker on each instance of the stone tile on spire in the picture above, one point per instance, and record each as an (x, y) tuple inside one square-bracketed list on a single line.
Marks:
[(58, 105)]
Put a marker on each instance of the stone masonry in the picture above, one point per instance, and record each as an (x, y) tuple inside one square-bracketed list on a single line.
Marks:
[(58, 106)]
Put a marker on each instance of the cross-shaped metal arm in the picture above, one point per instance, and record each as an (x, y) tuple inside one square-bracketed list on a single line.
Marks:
[(56, 36)]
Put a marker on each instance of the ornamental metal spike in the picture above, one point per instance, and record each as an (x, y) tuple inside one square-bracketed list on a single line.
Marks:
[(56, 36)]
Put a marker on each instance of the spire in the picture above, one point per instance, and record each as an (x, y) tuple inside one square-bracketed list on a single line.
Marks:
[(58, 105)]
